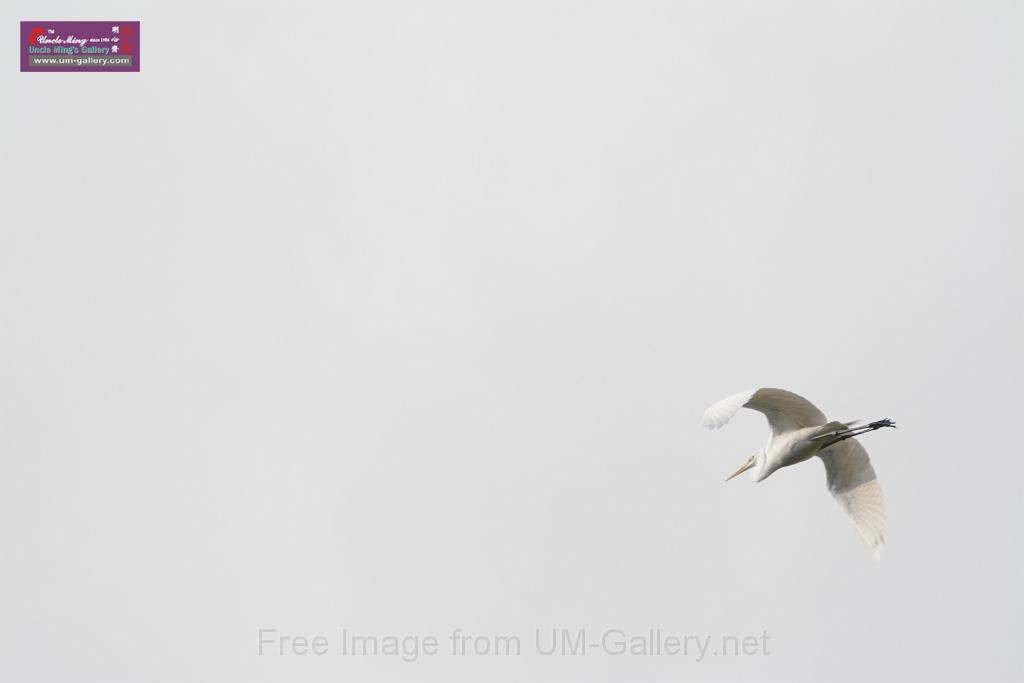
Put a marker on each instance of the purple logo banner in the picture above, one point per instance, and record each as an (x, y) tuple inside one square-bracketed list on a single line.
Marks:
[(79, 46)]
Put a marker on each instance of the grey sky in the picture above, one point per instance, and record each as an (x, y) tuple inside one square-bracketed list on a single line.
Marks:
[(400, 317)]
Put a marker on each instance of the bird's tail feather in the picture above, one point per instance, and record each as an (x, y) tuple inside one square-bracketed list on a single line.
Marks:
[(832, 429)]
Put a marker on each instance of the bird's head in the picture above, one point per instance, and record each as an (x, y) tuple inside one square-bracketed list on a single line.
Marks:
[(756, 464)]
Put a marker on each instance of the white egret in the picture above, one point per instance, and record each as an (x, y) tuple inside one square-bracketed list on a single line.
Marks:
[(799, 432)]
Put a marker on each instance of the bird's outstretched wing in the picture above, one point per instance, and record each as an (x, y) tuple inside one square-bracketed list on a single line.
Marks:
[(785, 410), (852, 481)]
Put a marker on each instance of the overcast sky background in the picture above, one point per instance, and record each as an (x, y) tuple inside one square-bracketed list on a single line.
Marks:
[(401, 316)]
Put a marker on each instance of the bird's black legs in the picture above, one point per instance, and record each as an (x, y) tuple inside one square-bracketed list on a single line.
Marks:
[(857, 431)]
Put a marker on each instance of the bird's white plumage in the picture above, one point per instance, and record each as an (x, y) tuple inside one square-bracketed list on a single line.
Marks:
[(785, 410), (719, 414), (792, 419), (851, 479)]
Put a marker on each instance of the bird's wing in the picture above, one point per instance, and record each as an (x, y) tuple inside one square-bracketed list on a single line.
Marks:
[(852, 481), (785, 410)]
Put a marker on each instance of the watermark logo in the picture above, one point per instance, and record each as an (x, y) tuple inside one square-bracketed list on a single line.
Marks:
[(541, 642), (79, 46)]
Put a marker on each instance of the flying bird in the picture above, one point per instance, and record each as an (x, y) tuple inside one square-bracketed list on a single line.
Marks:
[(799, 432)]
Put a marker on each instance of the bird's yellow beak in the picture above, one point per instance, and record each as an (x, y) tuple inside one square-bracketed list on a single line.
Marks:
[(746, 466)]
